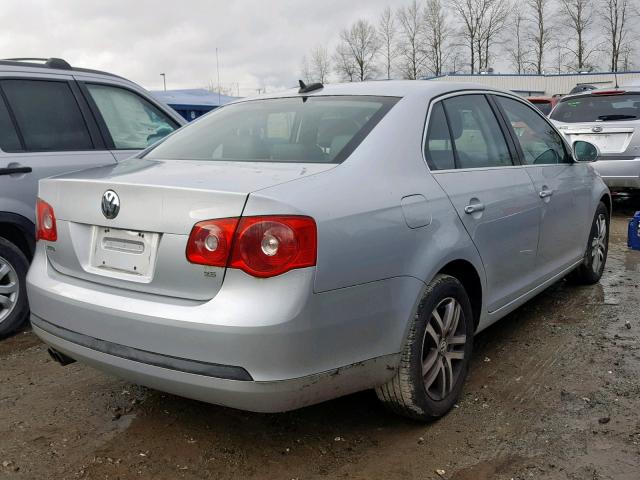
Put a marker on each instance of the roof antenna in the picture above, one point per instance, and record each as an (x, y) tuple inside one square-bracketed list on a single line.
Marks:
[(309, 88)]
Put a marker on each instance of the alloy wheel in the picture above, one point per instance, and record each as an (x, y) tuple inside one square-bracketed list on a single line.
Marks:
[(598, 244), (9, 289), (443, 348)]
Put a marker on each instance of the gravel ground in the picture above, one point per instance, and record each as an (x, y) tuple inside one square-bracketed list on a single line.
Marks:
[(553, 393)]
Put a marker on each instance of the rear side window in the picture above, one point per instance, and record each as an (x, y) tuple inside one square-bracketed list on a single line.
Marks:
[(133, 122), (438, 147), (47, 115), (598, 108), (540, 143), (477, 137), (295, 130), (9, 141)]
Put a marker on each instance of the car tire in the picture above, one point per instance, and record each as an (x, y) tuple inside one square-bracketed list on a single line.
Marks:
[(435, 359), (592, 267), (14, 307)]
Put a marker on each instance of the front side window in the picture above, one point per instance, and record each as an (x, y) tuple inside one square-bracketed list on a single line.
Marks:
[(477, 136), (540, 143), (9, 141), (47, 115), (303, 130), (598, 108), (133, 122)]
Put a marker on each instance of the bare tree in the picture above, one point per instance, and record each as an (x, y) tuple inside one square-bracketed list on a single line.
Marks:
[(491, 25), (561, 54), (436, 33), (361, 42), (517, 48), (541, 31), (411, 53), (344, 64), (320, 64), (626, 58), (615, 14), (387, 32), (471, 14), (579, 18), (305, 70)]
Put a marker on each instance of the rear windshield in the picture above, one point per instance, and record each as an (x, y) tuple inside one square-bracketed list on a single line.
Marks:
[(304, 130), (544, 107), (598, 108)]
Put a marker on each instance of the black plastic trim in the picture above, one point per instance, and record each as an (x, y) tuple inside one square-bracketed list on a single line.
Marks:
[(14, 170), (215, 370)]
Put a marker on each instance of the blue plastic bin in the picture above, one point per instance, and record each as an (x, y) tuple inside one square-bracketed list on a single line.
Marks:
[(633, 240)]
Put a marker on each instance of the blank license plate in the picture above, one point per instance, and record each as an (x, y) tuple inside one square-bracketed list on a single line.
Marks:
[(124, 251)]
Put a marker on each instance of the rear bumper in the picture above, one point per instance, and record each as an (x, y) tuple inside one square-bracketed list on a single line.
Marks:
[(273, 330), (268, 397), (619, 173)]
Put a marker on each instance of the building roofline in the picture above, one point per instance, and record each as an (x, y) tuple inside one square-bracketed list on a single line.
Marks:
[(541, 75)]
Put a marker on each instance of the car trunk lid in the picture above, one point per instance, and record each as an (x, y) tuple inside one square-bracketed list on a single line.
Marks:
[(612, 139), (143, 247)]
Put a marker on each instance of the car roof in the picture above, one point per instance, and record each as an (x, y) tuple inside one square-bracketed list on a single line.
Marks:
[(588, 93), (385, 88), (54, 66)]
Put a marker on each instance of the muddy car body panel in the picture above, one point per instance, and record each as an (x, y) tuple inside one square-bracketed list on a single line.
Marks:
[(385, 223)]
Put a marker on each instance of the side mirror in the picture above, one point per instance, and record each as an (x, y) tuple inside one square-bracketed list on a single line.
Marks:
[(585, 151)]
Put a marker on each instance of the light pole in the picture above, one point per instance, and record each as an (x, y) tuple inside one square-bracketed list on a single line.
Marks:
[(164, 81)]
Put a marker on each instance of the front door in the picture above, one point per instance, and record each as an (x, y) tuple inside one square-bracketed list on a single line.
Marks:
[(561, 185), (493, 196)]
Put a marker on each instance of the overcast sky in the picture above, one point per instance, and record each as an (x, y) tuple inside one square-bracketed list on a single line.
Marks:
[(260, 42)]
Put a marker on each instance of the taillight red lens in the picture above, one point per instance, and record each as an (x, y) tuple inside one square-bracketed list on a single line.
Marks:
[(272, 245), (210, 242), (609, 92), (263, 246), (46, 222)]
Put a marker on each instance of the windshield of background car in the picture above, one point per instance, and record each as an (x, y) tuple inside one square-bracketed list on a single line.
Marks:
[(598, 108), (296, 130)]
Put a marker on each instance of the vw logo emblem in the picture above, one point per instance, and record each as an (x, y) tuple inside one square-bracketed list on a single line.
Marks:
[(110, 204), (596, 129)]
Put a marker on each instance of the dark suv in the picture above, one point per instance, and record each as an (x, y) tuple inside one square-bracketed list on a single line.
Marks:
[(55, 119)]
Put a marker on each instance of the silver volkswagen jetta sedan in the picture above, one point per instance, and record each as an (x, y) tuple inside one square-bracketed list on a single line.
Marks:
[(300, 246)]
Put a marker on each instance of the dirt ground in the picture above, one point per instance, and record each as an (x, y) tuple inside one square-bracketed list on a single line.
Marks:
[(553, 393)]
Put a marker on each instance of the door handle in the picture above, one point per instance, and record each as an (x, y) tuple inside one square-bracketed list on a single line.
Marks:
[(14, 170), (545, 193), (476, 207)]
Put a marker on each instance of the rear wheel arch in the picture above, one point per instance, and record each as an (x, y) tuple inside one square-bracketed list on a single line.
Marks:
[(606, 199), (468, 276), (20, 231)]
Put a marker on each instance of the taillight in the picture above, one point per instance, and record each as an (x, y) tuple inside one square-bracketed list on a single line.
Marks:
[(609, 92), (271, 245), (46, 222), (210, 242), (263, 246)]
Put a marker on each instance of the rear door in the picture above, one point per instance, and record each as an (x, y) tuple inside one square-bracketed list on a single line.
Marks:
[(473, 161), (562, 185), (129, 121), (47, 130)]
